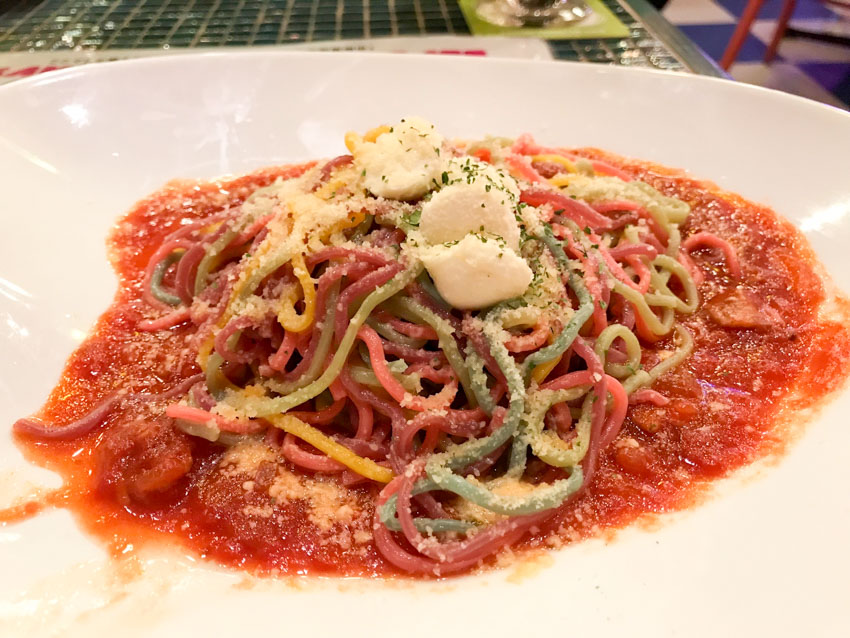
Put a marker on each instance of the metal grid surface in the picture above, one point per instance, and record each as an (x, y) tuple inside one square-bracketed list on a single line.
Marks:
[(51, 25)]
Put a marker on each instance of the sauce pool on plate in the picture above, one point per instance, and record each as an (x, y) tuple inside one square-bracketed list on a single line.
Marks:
[(763, 350)]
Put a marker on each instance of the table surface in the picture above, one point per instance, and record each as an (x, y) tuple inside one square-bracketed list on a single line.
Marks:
[(56, 25)]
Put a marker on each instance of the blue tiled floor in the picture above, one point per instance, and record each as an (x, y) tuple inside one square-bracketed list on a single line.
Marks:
[(805, 9), (832, 76), (812, 69), (713, 38)]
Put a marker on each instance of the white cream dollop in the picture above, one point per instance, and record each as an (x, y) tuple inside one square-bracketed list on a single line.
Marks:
[(470, 170), (402, 163), (476, 199), (476, 272), (471, 227)]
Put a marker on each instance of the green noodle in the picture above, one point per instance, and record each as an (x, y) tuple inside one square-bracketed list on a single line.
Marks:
[(656, 326), (633, 352), (565, 339), (439, 466), (208, 262), (156, 280), (388, 332), (643, 378), (478, 380)]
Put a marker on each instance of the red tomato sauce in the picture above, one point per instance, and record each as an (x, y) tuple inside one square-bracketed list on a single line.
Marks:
[(732, 402)]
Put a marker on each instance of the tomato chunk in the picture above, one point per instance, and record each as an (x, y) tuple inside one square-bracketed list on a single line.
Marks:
[(142, 458)]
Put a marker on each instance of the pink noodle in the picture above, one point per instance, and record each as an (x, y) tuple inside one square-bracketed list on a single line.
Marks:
[(623, 204), (626, 250), (365, 419), (322, 417), (359, 288), (620, 403), (214, 303), (232, 327), (628, 316), (432, 373), (170, 320), (647, 395), (615, 354), (195, 227), (330, 276), (466, 423), (82, 426), (603, 430), (643, 274), (394, 388), (562, 419), (458, 554), (531, 341), (570, 380), (689, 265), (617, 270), (412, 354), (293, 453), (415, 331), (573, 209), (709, 240), (548, 170), (371, 256), (402, 558), (607, 169), (177, 391), (187, 268), (600, 388), (525, 145), (37, 428), (284, 353), (249, 233), (350, 478), (330, 166), (202, 396), (593, 282), (385, 237), (203, 417), (358, 393), (520, 167), (372, 448), (485, 463)]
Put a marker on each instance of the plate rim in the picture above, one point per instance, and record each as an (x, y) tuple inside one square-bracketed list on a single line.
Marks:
[(96, 68), (452, 584)]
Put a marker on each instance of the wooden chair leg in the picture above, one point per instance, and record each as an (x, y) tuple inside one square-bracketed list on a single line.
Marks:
[(740, 34), (781, 27)]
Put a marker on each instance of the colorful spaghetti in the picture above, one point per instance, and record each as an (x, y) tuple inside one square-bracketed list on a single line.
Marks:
[(321, 327)]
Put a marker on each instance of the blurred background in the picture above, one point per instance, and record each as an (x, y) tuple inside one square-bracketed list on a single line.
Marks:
[(799, 46)]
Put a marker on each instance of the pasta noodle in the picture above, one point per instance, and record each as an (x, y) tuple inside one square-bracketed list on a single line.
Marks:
[(321, 327)]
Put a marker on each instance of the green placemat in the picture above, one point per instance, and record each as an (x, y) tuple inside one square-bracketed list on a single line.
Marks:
[(601, 23)]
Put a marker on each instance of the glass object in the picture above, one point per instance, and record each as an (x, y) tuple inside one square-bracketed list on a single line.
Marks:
[(532, 13)]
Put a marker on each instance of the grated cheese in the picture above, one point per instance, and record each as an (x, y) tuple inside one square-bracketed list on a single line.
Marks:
[(246, 457), (329, 503)]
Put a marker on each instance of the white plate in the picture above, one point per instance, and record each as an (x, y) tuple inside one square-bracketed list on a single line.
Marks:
[(77, 148)]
